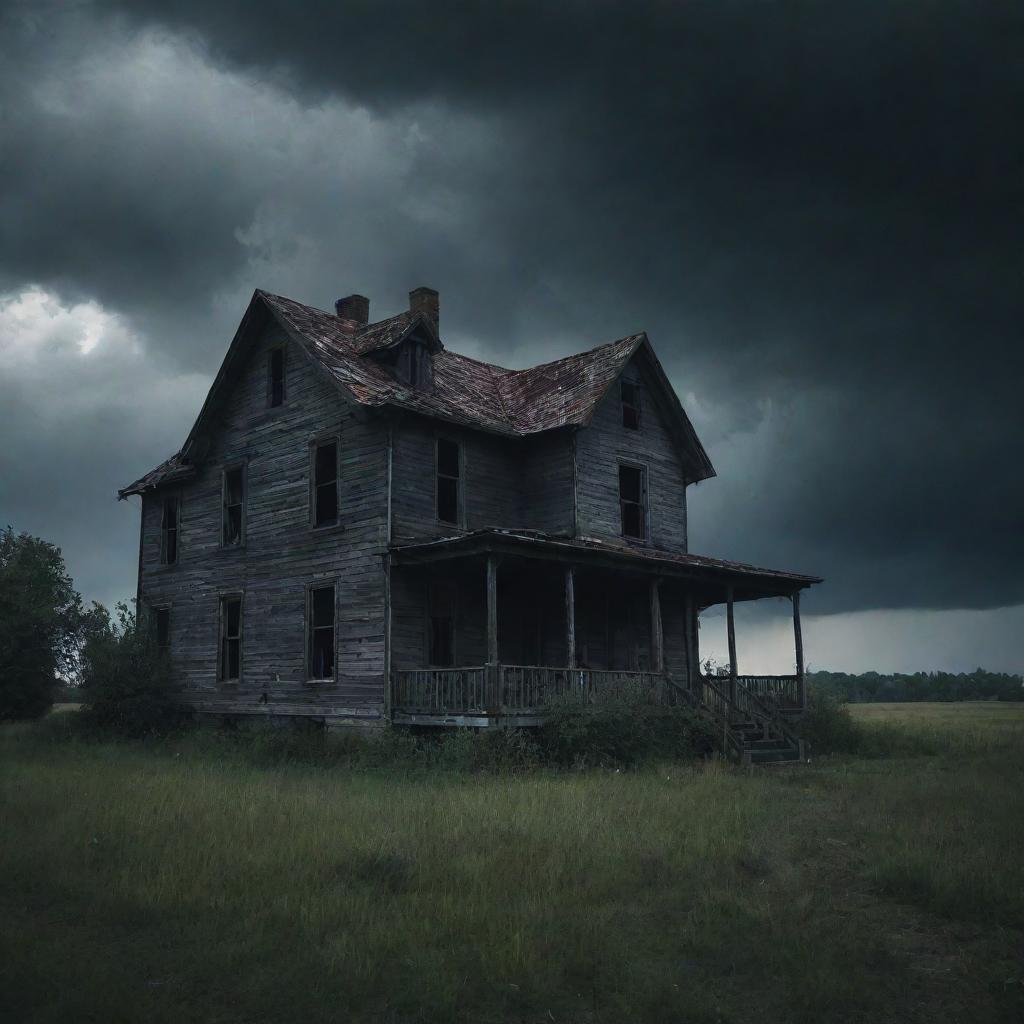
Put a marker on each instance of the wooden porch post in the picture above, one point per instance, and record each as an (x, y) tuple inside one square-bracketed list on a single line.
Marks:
[(801, 689), (732, 647), (492, 671), (693, 644), (570, 617), (657, 633)]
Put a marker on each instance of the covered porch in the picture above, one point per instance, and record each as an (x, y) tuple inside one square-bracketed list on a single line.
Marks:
[(487, 628)]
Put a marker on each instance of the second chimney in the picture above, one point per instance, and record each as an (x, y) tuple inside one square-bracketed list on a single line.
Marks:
[(355, 308), (426, 300)]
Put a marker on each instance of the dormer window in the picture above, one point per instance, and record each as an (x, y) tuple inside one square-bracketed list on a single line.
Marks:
[(415, 366), (415, 357)]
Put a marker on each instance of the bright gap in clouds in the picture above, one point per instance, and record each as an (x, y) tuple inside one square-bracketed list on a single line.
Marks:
[(883, 640), (84, 409)]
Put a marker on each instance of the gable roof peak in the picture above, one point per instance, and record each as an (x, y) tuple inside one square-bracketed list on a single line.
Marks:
[(515, 403)]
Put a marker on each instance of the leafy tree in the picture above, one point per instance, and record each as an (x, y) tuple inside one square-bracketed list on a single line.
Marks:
[(40, 618), (126, 679)]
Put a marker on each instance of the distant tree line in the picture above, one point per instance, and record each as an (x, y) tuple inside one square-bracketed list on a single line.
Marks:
[(938, 686)]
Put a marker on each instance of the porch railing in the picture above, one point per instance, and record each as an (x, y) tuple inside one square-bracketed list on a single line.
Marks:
[(782, 691), (508, 689), (441, 691)]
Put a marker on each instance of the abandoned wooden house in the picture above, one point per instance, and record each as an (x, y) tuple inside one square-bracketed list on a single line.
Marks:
[(364, 526)]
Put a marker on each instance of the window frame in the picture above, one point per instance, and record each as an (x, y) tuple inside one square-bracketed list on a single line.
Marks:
[(308, 661), (271, 404), (460, 502), (222, 601), (645, 501), (636, 406), (174, 496), (155, 611), (315, 444), (231, 467)]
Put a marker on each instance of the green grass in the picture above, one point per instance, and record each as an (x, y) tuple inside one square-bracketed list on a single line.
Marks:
[(182, 881)]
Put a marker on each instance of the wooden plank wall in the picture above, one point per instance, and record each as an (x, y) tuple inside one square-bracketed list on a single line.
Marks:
[(601, 446), (282, 553), (490, 480)]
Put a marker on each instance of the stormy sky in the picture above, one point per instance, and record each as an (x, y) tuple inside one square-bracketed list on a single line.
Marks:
[(815, 210)]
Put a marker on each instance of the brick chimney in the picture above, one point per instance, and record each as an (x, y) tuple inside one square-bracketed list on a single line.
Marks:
[(425, 300), (355, 308)]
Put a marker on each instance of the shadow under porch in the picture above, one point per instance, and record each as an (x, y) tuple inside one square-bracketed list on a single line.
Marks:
[(488, 640)]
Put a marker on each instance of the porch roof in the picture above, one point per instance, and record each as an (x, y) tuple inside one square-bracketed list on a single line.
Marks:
[(714, 575)]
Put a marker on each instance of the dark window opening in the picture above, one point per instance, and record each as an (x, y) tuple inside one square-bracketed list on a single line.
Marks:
[(321, 632), (448, 476), (234, 505), (276, 372), (169, 532), (162, 628), (325, 484), (630, 392), (442, 626), (230, 638), (632, 501), (414, 366)]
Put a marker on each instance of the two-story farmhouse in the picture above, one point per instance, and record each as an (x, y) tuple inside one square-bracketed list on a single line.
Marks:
[(363, 525)]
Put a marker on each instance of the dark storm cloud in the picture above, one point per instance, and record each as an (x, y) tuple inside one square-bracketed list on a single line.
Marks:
[(815, 211)]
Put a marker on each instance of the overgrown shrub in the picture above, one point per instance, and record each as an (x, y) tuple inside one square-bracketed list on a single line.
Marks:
[(40, 616), (622, 728), (827, 725), (126, 683)]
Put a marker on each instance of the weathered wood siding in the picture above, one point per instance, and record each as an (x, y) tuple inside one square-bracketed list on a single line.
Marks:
[(547, 483), (492, 480), (282, 554), (605, 443)]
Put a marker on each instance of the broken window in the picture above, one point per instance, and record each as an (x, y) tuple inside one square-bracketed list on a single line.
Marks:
[(230, 639), (441, 642), (233, 489), (325, 483), (448, 480), (161, 628), (633, 501), (321, 632), (630, 392), (169, 531), (275, 373)]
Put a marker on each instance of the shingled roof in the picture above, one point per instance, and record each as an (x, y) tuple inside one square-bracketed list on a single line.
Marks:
[(513, 403)]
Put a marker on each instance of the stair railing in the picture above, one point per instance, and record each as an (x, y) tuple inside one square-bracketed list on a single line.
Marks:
[(768, 717)]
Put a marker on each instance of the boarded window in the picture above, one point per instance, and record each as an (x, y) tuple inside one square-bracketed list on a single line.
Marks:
[(321, 632), (233, 489), (441, 642), (161, 628), (230, 639), (325, 484), (275, 377), (448, 481), (169, 531), (633, 501), (630, 392)]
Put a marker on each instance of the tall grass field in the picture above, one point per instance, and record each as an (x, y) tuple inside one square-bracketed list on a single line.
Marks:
[(186, 880)]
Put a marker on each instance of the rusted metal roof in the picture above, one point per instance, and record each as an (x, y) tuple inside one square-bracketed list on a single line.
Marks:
[(514, 403)]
